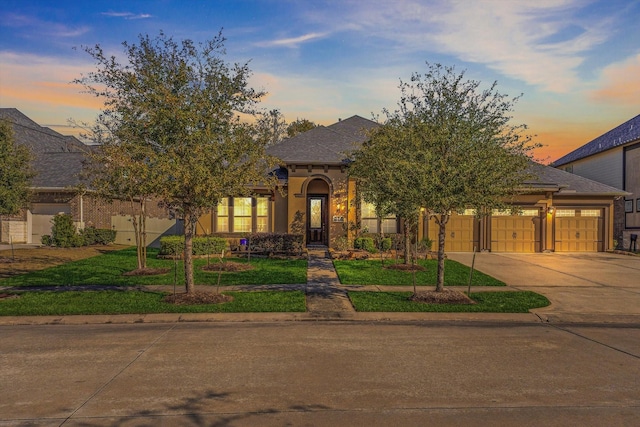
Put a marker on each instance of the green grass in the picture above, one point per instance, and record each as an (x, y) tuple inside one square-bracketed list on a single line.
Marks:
[(136, 302), (370, 272), (107, 269), (487, 302)]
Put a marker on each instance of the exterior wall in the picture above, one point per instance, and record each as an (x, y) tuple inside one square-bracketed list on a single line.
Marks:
[(605, 167), (632, 185)]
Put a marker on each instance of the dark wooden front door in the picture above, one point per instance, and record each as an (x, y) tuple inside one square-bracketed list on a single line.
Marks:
[(316, 220)]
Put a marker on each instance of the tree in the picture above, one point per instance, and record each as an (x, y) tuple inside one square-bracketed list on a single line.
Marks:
[(180, 103), (299, 126), (271, 127), (15, 172), (450, 146)]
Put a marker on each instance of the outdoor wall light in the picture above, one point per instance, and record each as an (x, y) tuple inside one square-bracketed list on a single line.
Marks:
[(550, 210)]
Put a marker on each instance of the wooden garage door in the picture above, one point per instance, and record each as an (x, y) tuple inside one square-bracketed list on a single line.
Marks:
[(459, 233), (514, 233), (577, 230), (42, 214)]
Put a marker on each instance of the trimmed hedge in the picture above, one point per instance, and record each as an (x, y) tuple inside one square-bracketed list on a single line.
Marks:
[(365, 243), (202, 245), (98, 236), (276, 243)]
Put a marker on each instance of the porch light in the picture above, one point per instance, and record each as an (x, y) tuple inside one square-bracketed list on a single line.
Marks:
[(550, 210)]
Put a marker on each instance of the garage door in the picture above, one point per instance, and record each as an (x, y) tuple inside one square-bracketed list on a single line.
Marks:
[(577, 230), (42, 214), (514, 233), (459, 233)]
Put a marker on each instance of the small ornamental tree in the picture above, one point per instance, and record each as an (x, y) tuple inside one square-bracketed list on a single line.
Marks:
[(15, 172), (179, 102), (450, 146)]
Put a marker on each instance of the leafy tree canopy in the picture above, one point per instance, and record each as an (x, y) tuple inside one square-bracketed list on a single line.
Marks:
[(174, 108), (15, 172), (449, 146), (299, 126)]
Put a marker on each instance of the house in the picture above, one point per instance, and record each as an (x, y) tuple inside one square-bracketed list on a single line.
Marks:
[(559, 211), (58, 161), (613, 159)]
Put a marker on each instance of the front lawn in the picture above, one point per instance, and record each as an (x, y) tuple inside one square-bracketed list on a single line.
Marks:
[(486, 302), (108, 269), (136, 302), (371, 272)]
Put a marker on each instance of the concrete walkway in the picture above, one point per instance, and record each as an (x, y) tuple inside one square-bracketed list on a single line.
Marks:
[(325, 297)]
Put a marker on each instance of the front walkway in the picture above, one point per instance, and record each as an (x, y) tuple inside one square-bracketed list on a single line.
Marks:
[(324, 294)]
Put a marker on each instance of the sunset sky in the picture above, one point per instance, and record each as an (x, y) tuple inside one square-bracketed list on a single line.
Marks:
[(576, 62)]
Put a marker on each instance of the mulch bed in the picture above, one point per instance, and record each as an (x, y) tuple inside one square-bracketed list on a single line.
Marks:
[(446, 296), (8, 296), (147, 272), (228, 266), (197, 297)]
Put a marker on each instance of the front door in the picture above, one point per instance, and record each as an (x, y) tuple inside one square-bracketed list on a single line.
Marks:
[(316, 220)]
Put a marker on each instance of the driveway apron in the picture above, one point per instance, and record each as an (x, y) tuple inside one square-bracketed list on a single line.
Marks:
[(580, 286)]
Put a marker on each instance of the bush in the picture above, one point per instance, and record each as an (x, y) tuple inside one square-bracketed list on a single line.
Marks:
[(365, 243), (276, 243), (63, 232), (205, 245), (46, 240), (385, 244), (98, 236)]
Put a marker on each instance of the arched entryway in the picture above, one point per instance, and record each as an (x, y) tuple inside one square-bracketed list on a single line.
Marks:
[(317, 212)]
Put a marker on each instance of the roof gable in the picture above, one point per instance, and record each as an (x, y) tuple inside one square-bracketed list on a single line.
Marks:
[(324, 144), (623, 134)]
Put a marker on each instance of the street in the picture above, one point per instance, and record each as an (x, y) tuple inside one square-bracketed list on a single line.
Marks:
[(320, 373)]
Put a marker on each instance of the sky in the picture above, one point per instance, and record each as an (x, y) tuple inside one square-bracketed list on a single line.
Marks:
[(576, 63)]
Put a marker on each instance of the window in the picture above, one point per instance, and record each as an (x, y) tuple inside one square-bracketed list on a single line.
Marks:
[(369, 220), (262, 215), (242, 214), (590, 212), (565, 213), (222, 224)]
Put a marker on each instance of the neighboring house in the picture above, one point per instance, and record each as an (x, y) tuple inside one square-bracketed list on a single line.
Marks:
[(57, 161), (560, 211), (613, 159)]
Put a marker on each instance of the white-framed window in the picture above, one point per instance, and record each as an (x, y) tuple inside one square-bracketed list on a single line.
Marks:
[(222, 218), (370, 222), (242, 215), (262, 214)]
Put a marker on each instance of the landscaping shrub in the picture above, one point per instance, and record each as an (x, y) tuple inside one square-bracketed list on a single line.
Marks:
[(276, 243), (202, 245), (46, 240), (98, 236), (63, 232), (385, 244), (365, 243)]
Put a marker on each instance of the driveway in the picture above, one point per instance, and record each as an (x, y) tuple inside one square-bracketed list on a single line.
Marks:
[(581, 286)]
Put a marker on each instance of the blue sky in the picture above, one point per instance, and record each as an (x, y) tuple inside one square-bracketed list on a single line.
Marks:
[(576, 62)]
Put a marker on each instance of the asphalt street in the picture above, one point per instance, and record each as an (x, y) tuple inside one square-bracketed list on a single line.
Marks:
[(320, 373)]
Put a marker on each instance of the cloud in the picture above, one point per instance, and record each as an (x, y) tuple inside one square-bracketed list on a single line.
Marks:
[(127, 15), (32, 27), (541, 43), (292, 42), (619, 83)]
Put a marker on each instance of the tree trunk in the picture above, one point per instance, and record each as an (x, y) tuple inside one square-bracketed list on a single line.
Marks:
[(442, 223), (143, 232), (189, 230), (407, 242), (136, 231)]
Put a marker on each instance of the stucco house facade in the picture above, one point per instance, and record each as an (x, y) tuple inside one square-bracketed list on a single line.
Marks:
[(58, 160), (613, 159), (559, 211)]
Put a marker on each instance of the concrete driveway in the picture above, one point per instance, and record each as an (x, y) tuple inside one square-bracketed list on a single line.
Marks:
[(581, 286)]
